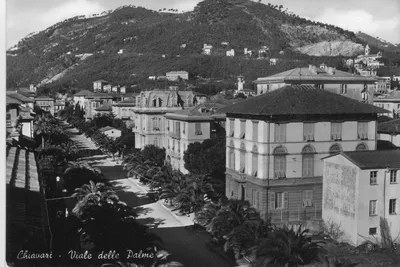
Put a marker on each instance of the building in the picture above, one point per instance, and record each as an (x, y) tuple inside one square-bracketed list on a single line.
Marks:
[(122, 90), (336, 81), (95, 101), (98, 85), (390, 102), (247, 52), (207, 49), (241, 90), (19, 119), (230, 53), (21, 98), (110, 132), (192, 125), (107, 88), (79, 98), (114, 89), (46, 103), (176, 75), (59, 105), (104, 109), (275, 143), (272, 61), (381, 85), (150, 109), (360, 188), (125, 109), (390, 131)]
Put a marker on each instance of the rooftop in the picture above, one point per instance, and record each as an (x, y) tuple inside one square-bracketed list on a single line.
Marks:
[(374, 159), (313, 73), (83, 93), (389, 127), (19, 97), (43, 97), (107, 128), (395, 95), (105, 107), (301, 100)]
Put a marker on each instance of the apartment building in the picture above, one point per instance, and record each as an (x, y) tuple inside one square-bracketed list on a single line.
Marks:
[(150, 109), (347, 84), (192, 125), (275, 143), (359, 189), (390, 102), (46, 103)]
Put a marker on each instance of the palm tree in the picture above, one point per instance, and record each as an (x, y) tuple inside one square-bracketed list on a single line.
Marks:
[(287, 247), (42, 126), (204, 216)]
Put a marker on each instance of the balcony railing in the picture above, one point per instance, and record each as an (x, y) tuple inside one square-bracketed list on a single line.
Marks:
[(176, 135)]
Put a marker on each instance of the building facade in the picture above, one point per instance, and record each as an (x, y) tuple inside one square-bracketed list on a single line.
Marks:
[(390, 102), (390, 131), (275, 143), (46, 103), (98, 85), (176, 75), (150, 109), (323, 77), (359, 189), (191, 125)]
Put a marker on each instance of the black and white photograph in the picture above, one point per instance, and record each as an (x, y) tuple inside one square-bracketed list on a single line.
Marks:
[(213, 133)]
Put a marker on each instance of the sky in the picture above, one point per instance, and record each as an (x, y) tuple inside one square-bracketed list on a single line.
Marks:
[(377, 18)]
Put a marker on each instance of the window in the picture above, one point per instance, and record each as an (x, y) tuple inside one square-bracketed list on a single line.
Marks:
[(334, 149), (343, 89), (254, 161), (280, 162), (393, 176), (232, 127), (280, 132), (197, 130), (184, 128), (372, 207), (308, 131), (336, 131), (8, 116), (232, 158), (392, 206), (256, 199), (255, 131), (307, 198), (279, 200), (308, 161), (373, 177), (362, 130), (361, 147), (242, 158), (242, 129), (372, 231)]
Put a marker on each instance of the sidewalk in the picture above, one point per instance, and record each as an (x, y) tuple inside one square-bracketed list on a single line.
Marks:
[(185, 220)]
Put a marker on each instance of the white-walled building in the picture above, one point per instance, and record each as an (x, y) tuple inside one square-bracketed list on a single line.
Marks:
[(175, 75), (110, 132), (275, 143), (360, 188), (390, 131), (230, 53), (390, 102)]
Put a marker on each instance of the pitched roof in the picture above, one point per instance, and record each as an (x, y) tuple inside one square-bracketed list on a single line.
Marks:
[(301, 100), (107, 128), (98, 95), (19, 97), (389, 127), (10, 100), (43, 97), (314, 74), (103, 81), (374, 159), (83, 93)]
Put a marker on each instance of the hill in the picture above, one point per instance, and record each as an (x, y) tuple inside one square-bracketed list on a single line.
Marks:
[(378, 42), (81, 49)]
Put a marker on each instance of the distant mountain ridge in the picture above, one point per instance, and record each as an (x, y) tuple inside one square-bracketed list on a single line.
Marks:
[(152, 42), (378, 42)]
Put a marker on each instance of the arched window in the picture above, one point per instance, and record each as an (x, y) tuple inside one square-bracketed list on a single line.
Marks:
[(308, 161), (242, 158), (335, 149), (280, 162), (361, 146)]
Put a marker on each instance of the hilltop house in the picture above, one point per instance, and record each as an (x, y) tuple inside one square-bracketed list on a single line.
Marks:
[(176, 75), (359, 189), (230, 53), (110, 132), (275, 143), (98, 85), (323, 77), (207, 49)]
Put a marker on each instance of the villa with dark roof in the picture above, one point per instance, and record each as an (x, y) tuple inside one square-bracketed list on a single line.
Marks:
[(390, 102), (347, 84), (390, 131), (360, 188), (276, 143)]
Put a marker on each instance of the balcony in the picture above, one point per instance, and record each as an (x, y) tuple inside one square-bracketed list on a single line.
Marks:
[(175, 154), (175, 135)]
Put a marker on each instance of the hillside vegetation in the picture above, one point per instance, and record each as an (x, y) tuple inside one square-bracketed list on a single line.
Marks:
[(79, 50)]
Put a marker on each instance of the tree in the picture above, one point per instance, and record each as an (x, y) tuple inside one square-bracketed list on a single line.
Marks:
[(42, 127), (154, 153), (287, 247)]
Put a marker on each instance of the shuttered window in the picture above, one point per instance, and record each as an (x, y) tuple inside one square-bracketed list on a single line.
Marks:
[(362, 130), (336, 131), (254, 164), (198, 129), (308, 131), (255, 131), (280, 132), (307, 196), (279, 200), (242, 129)]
